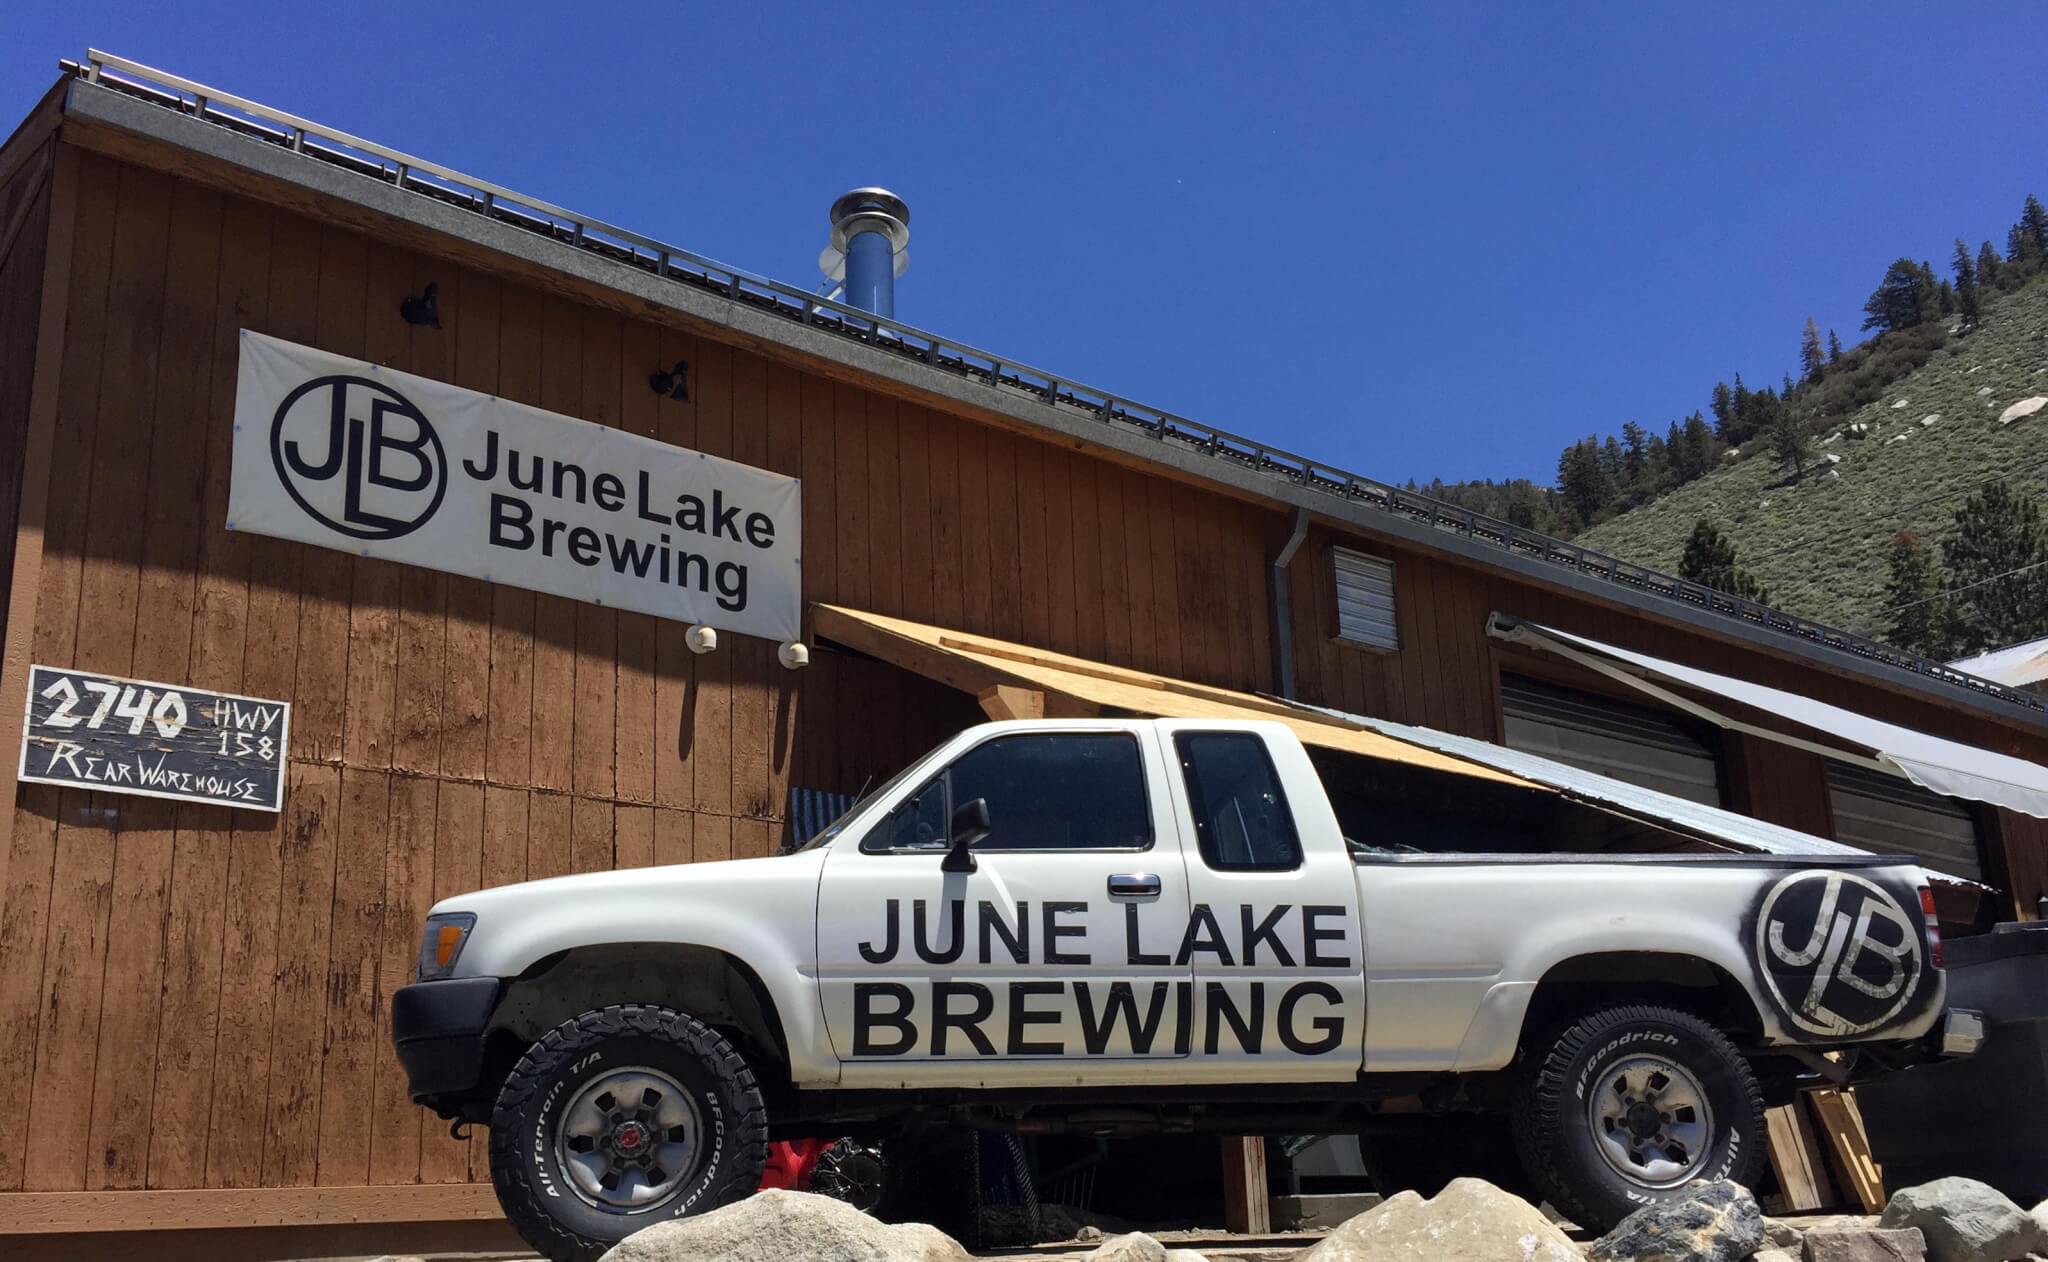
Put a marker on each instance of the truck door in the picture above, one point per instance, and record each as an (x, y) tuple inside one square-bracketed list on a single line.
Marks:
[(1274, 936), (1059, 947)]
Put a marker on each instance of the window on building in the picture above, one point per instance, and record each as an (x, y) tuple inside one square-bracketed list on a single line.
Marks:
[(1241, 818), (1890, 815), (1045, 791), (1613, 738), (1365, 599)]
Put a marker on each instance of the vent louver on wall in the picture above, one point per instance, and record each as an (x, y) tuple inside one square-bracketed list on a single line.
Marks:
[(1365, 599)]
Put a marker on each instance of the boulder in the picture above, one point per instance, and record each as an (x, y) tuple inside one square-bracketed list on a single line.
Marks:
[(775, 1226), (1899, 403), (1865, 1244), (1929, 419), (1139, 1247), (1782, 1235), (1965, 1221), (1089, 1232), (1469, 1221), (1773, 1255), (1714, 1222), (2024, 408)]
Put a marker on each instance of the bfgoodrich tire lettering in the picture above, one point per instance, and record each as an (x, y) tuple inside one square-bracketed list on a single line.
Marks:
[(543, 1198), (1560, 1137)]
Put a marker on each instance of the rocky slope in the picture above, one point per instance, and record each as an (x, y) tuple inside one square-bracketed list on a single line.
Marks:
[(1818, 543)]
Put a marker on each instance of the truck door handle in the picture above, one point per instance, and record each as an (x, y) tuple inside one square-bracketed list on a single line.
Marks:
[(1134, 885)]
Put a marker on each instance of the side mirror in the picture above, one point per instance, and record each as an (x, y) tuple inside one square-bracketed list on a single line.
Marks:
[(969, 829)]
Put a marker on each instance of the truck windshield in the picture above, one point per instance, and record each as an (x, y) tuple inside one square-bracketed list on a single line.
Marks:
[(833, 829)]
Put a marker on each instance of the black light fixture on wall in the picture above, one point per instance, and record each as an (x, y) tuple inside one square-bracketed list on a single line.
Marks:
[(674, 382), (424, 309)]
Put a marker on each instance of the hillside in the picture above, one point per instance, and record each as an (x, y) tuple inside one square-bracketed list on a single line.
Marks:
[(1818, 544)]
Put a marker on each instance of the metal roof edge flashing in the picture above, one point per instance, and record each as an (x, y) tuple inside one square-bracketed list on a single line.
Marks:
[(925, 361)]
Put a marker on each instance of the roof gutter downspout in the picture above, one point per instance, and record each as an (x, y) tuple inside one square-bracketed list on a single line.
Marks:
[(1283, 613)]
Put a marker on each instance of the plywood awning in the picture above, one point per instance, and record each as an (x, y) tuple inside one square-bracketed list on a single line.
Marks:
[(976, 664)]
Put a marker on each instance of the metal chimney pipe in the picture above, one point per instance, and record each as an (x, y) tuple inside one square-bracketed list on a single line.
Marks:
[(869, 248)]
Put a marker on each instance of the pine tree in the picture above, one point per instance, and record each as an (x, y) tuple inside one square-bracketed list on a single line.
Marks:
[(1709, 560), (2020, 247), (1581, 483), (1724, 405), (1695, 448), (1834, 348), (1966, 286), (1614, 465), (1994, 569), (1902, 300), (1945, 298), (2034, 224), (1790, 442), (1809, 351), (1656, 465), (1987, 265), (1635, 453), (1754, 412), (1920, 616), (1738, 425)]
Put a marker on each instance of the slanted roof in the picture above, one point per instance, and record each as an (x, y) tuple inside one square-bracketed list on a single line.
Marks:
[(350, 175), (2015, 667)]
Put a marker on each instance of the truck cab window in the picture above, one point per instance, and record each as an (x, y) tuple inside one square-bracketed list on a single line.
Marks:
[(1057, 791), (1045, 791), (1241, 818), (920, 823)]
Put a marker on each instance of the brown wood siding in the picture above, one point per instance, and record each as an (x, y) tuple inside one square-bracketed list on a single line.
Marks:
[(25, 201), (194, 997)]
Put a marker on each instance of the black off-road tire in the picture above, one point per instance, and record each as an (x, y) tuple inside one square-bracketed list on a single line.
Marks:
[(537, 1194), (1555, 1134)]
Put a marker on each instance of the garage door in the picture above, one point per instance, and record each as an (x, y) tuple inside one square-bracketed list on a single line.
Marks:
[(1889, 815), (1628, 742)]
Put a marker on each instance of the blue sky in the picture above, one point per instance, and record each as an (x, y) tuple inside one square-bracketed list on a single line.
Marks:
[(1416, 240)]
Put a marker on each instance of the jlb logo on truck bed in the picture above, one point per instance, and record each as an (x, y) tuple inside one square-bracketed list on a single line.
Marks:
[(1837, 953)]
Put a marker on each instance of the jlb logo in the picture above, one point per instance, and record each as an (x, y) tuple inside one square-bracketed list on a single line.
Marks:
[(358, 457), (1838, 953)]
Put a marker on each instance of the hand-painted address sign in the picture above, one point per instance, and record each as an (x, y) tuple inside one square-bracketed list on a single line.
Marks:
[(159, 740)]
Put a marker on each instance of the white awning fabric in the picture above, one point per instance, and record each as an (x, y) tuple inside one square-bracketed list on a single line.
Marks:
[(1943, 766)]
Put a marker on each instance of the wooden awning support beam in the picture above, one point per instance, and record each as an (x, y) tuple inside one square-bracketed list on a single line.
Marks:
[(1008, 701)]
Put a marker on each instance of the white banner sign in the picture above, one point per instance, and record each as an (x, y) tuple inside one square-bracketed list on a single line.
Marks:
[(347, 455)]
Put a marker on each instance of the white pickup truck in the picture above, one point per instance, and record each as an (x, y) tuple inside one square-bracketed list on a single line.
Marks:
[(1122, 926)]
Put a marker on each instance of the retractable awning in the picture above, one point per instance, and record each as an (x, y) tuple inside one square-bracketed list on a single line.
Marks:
[(1950, 768)]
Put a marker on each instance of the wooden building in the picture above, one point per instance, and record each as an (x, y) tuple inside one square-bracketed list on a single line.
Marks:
[(192, 998)]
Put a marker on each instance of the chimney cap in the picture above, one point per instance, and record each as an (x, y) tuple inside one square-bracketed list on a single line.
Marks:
[(874, 200), (866, 210)]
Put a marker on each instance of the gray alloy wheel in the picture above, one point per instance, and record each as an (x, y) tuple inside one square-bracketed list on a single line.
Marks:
[(627, 1138), (1651, 1121)]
